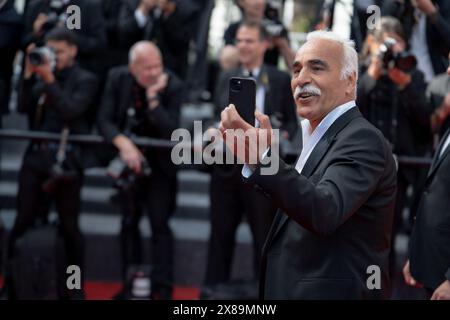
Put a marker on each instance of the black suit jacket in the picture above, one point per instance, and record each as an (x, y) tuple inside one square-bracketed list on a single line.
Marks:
[(161, 122), (171, 34), (335, 218), (91, 38), (430, 239), (278, 102), (437, 31)]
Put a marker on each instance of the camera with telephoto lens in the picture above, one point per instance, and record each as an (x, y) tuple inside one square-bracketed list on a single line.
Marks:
[(271, 23), (39, 55), (404, 61), (124, 177)]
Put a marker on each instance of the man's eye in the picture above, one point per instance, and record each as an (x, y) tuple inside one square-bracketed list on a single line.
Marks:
[(317, 68)]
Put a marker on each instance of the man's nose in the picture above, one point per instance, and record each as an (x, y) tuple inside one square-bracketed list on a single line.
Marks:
[(302, 79)]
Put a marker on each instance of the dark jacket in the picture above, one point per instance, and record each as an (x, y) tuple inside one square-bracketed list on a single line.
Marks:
[(437, 30), (171, 34), (91, 38), (430, 240), (158, 123), (334, 219), (403, 116), (68, 101)]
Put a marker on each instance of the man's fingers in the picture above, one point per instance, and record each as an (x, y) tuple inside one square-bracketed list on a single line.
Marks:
[(264, 121)]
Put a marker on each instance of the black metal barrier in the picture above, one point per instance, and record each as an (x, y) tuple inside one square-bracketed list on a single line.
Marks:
[(151, 143)]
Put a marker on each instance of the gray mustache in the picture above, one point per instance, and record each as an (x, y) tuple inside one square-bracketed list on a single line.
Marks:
[(309, 88)]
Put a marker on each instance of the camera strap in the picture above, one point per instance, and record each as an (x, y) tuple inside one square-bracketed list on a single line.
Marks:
[(62, 149)]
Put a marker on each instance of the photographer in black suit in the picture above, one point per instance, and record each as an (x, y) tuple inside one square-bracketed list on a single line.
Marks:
[(57, 99), (230, 197), (169, 23), (144, 99), (41, 16), (336, 205)]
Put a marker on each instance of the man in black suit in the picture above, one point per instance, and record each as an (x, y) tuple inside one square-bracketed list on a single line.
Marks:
[(43, 15), (336, 205), (56, 100), (144, 99), (230, 197), (169, 23), (427, 29), (429, 257)]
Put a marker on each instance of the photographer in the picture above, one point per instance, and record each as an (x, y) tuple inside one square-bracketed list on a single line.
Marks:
[(144, 100), (42, 16), (265, 12), (426, 24), (57, 94), (391, 95), (169, 23)]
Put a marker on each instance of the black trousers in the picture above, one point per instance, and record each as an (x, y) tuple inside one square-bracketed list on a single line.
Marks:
[(32, 201), (156, 196), (231, 198)]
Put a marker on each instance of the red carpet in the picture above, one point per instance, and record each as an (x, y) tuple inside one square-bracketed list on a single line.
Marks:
[(101, 290)]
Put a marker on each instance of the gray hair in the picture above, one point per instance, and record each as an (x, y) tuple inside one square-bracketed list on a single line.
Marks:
[(141, 46), (350, 57)]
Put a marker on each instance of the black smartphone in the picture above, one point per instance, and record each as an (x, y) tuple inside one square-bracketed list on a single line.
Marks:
[(242, 93)]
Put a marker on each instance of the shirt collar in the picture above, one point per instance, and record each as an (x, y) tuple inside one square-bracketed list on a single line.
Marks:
[(329, 119)]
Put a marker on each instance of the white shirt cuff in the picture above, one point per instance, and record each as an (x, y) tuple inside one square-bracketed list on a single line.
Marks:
[(141, 19), (246, 171)]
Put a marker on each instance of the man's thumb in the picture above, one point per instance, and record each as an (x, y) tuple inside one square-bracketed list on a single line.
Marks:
[(264, 121)]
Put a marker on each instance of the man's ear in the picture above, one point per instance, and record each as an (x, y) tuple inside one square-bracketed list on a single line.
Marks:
[(74, 51), (351, 83)]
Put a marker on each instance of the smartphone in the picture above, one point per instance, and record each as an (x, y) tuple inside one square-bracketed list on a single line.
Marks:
[(242, 93)]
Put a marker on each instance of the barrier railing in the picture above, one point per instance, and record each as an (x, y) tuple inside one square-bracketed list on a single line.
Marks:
[(151, 143)]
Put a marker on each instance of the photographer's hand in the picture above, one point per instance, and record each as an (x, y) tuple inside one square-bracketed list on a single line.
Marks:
[(426, 6), (400, 78), (375, 67), (38, 23), (129, 153), (145, 6), (410, 281), (29, 69), (153, 91)]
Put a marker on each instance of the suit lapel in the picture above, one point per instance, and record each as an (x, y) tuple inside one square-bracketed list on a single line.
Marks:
[(319, 151), (436, 159)]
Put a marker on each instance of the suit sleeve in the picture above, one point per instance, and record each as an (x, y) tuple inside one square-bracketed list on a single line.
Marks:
[(73, 104), (129, 31), (107, 125), (91, 37), (414, 100), (178, 27), (323, 204)]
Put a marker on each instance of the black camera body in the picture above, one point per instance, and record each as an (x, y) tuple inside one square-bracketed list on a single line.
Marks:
[(38, 55), (404, 61), (124, 177)]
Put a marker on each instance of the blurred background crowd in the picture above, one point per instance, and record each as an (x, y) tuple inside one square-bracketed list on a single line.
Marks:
[(137, 225)]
